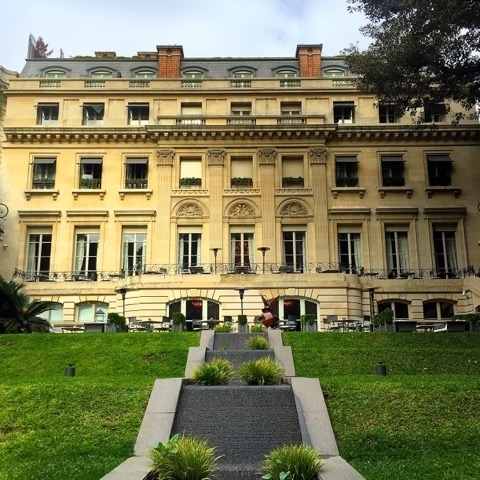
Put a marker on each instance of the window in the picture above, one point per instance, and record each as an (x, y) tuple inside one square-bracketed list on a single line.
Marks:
[(93, 113), (145, 74), (435, 112), (445, 252), (387, 113), (438, 310), (192, 113), (294, 250), (101, 74), (439, 170), (292, 172), (55, 314), (138, 113), (290, 108), (92, 312), (134, 252), (192, 74), (195, 309), (399, 309), (241, 172), (55, 74), (346, 171), (285, 73), (136, 172), (241, 109), (349, 248), (392, 171), (189, 250), (44, 172), (190, 172), (334, 72), (39, 250), (242, 249), (296, 307), (343, 112), (398, 260), (47, 114), (90, 173), (242, 74), (86, 252)]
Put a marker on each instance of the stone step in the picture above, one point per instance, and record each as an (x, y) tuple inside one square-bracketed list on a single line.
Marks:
[(244, 423), (233, 341), (237, 357)]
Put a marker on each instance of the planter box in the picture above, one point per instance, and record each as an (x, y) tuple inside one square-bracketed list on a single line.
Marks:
[(242, 328), (405, 326)]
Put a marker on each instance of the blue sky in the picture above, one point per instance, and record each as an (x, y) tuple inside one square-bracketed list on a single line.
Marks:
[(205, 28)]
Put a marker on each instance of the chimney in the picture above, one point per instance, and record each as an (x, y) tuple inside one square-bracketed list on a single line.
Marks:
[(169, 61), (105, 54), (309, 60)]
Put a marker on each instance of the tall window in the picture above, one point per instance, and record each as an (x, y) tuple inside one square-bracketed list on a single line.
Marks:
[(138, 113), (435, 112), (241, 172), (346, 171), (191, 114), (90, 173), (39, 254), (195, 309), (292, 172), (134, 252), (439, 170), (397, 251), (294, 249), (349, 248), (242, 249), (93, 113), (189, 250), (387, 113), (86, 255), (47, 114), (296, 307), (136, 172), (392, 171), (190, 172), (343, 112), (445, 252), (44, 172), (241, 109)]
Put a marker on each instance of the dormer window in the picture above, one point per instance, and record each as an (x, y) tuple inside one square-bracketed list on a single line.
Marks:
[(192, 74), (242, 74), (56, 74), (334, 72), (101, 74), (284, 73), (145, 74)]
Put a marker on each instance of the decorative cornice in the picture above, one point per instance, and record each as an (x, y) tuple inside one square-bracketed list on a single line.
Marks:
[(190, 209), (241, 209), (294, 209)]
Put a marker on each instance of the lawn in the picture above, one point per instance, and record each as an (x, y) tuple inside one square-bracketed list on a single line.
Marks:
[(419, 422)]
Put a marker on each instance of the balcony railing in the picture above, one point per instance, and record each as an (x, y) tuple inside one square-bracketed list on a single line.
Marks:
[(252, 268)]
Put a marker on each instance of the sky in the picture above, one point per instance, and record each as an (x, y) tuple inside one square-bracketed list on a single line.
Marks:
[(204, 28)]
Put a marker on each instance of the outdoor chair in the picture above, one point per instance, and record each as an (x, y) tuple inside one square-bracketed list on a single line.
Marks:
[(330, 323), (290, 324)]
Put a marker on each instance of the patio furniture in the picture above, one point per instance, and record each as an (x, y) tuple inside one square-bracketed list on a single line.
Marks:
[(405, 326)]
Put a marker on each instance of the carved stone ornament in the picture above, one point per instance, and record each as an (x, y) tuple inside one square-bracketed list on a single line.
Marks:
[(216, 156), (267, 156), (241, 209), (292, 209), (189, 210), (318, 155), (165, 156)]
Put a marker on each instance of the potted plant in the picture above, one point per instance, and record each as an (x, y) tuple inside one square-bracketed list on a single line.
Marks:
[(242, 324), (241, 182), (382, 321), (190, 181), (178, 321), (308, 322), (117, 321)]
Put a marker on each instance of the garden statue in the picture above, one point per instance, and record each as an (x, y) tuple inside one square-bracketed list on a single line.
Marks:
[(268, 318)]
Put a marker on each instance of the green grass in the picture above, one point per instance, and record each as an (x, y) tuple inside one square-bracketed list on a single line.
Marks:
[(420, 422), (80, 428)]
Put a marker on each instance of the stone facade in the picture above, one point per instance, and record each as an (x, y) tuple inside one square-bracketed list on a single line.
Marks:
[(183, 180)]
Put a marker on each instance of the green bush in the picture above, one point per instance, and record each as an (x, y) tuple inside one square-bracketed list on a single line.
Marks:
[(383, 318), (257, 343), (183, 458), (215, 372), (225, 328), (116, 319), (178, 318), (257, 328), (264, 371), (293, 462), (308, 319)]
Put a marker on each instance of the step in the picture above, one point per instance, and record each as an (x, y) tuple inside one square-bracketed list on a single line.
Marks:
[(233, 341)]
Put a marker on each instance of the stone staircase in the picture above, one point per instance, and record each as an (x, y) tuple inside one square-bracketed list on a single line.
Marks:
[(243, 422)]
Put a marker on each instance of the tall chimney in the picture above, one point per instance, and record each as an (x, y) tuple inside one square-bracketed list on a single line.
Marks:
[(310, 60), (169, 61)]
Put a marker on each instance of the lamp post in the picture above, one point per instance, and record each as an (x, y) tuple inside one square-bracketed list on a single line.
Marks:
[(263, 250), (241, 292), (122, 291), (371, 294), (215, 251)]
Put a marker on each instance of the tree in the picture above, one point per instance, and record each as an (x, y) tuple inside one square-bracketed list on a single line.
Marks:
[(423, 52), (17, 313), (40, 49)]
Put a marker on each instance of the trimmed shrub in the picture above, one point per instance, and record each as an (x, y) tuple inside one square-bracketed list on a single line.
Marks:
[(257, 343), (264, 371), (225, 328), (216, 372)]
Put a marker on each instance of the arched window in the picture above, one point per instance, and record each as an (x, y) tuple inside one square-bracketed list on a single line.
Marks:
[(192, 74), (333, 72), (286, 73), (57, 73), (92, 312), (438, 309), (144, 73), (400, 309), (195, 308), (53, 315)]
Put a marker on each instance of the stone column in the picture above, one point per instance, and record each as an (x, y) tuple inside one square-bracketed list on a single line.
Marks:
[(266, 160)]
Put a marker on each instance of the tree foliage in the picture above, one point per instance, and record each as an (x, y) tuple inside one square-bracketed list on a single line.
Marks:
[(423, 52), (17, 313), (41, 49)]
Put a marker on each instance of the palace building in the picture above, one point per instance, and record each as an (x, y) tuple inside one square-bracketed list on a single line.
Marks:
[(163, 183)]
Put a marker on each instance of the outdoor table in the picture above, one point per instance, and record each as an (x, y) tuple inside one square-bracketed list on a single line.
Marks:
[(348, 324), (211, 323)]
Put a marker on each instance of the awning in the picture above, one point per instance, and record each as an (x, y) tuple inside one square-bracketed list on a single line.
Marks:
[(136, 160), (38, 160), (439, 158), (346, 159), (91, 161)]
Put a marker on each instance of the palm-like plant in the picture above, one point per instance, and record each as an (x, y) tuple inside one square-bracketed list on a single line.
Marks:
[(17, 313)]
